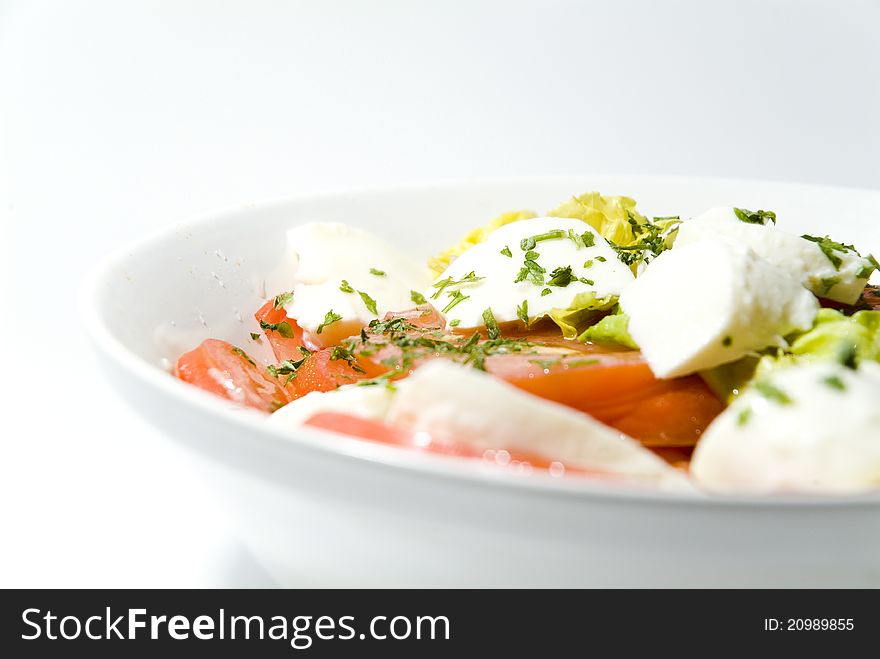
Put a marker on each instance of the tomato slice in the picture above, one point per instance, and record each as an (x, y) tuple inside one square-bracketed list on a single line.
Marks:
[(620, 390), (328, 368), (384, 433), (286, 340), (227, 371)]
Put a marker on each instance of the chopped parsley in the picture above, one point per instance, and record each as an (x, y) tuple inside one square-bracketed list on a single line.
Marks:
[(866, 270), (241, 353), (588, 264), (561, 276), (531, 270), (329, 318), (650, 240), (546, 291), (391, 326), (754, 217), (282, 299), (491, 325), (457, 296), (506, 251), (455, 322), (369, 302), (772, 393), (847, 356), (522, 312), (289, 367), (743, 417), (342, 353), (255, 337), (443, 284), (585, 239), (378, 273), (417, 297), (829, 247), (588, 282), (601, 259), (828, 283), (345, 287), (834, 382), (283, 328), (527, 244)]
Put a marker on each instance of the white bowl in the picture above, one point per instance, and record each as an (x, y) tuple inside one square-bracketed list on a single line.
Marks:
[(323, 509)]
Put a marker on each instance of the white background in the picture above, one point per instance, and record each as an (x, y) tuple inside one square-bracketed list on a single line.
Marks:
[(117, 118)]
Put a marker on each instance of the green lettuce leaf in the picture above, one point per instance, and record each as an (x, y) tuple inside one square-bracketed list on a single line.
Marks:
[(581, 313), (834, 337), (613, 329)]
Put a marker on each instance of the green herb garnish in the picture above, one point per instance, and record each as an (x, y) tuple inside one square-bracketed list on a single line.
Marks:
[(241, 353), (378, 273), (329, 318), (561, 276), (754, 217), (522, 312), (457, 296), (256, 337), (282, 299), (506, 251), (828, 248), (491, 325), (455, 322), (527, 244), (289, 366), (828, 283), (443, 284), (772, 393), (835, 382), (369, 302), (342, 353), (345, 287), (546, 291), (417, 297), (283, 328)]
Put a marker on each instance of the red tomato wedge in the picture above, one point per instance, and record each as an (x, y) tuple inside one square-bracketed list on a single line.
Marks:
[(287, 339), (618, 389), (223, 369), (328, 368), (384, 433)]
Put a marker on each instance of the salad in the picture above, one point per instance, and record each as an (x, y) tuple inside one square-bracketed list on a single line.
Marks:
[(719, 352)]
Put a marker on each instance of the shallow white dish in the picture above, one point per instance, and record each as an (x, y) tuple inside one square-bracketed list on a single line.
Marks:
[(321, 509)]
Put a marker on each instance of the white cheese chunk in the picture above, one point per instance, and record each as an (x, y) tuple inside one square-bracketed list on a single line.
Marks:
[(813, 427), (369, 402), (712, 302), (595, 270), (320, 256), (840, 275), (456, 403)]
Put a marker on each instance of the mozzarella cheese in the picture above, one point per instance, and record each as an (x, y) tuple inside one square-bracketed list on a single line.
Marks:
[(840, 275), (369, 402), (712, 302), (320, 255), (595, 270), (812, 427), (456, 403)]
